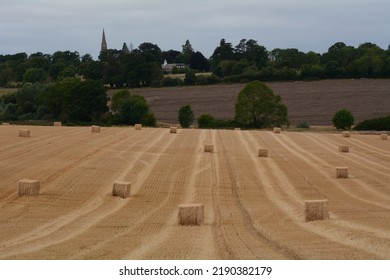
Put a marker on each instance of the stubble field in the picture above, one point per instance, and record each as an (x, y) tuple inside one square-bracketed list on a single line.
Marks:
[(253, 206)]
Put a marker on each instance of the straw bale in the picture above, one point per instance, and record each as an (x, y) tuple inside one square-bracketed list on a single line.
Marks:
[(95, 129), (383, 136), (341, 172), (138, 126), (24, 133), (277, 130), (191, 214), (121, 189), (237, 128), (346, 134), (28, 187), (5, 123), (57, 123), (208, 148), (263, 152), (316, 210), (173, 129), (344, 149)]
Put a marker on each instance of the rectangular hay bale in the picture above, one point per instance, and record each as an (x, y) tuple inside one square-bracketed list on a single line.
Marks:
[(24, 133), (121, 189), (57, 123), (95, 129), (208, 148), (191, 214), (28, 187), (316, 210), (173, 129), (341, 172), (277, 130), (263, 152), (5, 123), (138, 126), (346, 134), (237, 128), (383, 136), (344, 149)]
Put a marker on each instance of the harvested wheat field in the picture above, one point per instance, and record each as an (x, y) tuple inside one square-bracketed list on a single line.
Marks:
[(253, 207)]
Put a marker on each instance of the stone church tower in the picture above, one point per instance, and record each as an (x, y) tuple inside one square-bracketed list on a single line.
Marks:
[(104, 43)]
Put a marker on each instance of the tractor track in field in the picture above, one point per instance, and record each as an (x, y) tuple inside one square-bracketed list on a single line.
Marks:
[(253, 205)]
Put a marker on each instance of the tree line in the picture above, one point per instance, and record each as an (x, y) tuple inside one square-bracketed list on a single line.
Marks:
[(244, 62)]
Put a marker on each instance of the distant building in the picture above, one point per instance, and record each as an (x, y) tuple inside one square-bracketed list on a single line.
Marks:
[(169, 66), (104, 43)]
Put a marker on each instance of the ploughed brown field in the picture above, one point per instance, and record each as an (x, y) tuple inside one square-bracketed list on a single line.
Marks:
[(314, 102), (253, 206)]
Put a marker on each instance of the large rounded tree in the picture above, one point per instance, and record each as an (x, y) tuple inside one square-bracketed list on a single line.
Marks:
[(257, 106), (343, 119), (131, 109)]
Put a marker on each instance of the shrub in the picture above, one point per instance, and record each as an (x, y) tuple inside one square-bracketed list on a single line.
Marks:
[(343, 119), (190, 78), (149, 120), (303, 124), (186, 116), (206, 121), (213, 79), (171, 82), (379, 124)]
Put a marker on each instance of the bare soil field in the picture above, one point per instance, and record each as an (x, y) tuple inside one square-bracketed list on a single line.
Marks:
[(253, 206), (314, 102)]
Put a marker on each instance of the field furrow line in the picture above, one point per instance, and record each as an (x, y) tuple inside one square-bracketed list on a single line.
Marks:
[(159, 191), (169, 242), (96, 201), (324, 168), (372, 179), (342, 234), (321, 233), (257, 245), (50, 166), (360, 157), (381, 153)]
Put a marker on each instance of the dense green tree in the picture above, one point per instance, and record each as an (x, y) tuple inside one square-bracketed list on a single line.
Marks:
[(258, 106), (206, 120), (170, 56), (343, 119), (151, 52), (26, 99), (190, 78), (378, 124), (39, 60), (198, 62), (340, 53), (291, 58), (186, 116), (125, 49), (186, 52), (224, 51), (251, 51), (85, 100), (131, 109), (312, 71), (66, 57)]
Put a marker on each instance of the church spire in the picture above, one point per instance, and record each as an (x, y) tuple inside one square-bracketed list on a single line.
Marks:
[(104, 43)]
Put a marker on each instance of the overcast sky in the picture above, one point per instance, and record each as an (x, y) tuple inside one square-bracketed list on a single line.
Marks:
[(76, 25)]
